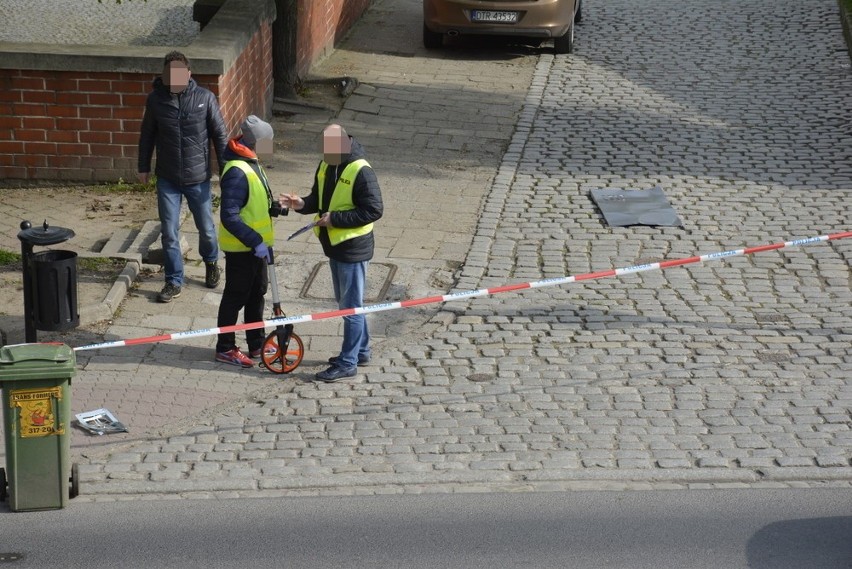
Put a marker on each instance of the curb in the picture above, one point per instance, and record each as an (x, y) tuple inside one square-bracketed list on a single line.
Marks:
[(141, 244), (105, 309), (375, 483)]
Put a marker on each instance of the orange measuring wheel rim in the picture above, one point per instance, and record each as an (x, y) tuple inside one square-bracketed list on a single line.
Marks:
[(276, 360)]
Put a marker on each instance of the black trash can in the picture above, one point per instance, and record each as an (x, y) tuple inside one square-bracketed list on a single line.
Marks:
[(54, 290)]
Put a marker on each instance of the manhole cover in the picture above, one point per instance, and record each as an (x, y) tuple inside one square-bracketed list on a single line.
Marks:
[(9, 557), (379, 277)]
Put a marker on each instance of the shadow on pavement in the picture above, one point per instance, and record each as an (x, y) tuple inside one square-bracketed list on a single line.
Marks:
[(817, 542)]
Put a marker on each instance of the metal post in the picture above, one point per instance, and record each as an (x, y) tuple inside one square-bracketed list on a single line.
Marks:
[(30, 333)]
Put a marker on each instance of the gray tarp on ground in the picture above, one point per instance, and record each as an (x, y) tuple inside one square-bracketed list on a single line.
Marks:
[(635, 207)]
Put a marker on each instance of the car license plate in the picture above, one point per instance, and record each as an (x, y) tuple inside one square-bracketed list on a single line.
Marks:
[(494, 16)]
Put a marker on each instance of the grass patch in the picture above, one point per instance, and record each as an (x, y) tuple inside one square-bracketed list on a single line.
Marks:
[(99, 264), (85, 265), (846, 22), (8, 258), (131, 187)]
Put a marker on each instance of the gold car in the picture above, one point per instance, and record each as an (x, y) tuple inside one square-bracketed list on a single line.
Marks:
[(542, 19)]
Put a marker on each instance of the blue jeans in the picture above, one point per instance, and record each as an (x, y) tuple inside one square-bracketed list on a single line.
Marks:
[(200, 202), (349, 281)]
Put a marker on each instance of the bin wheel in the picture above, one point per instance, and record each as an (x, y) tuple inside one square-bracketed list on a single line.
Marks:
[(276, 360), (75, 481), (3, 493)]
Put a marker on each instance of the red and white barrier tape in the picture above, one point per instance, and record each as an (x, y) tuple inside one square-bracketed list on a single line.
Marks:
[(556, 281)]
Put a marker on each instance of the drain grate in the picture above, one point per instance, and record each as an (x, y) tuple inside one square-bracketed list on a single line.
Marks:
[(379, 278)]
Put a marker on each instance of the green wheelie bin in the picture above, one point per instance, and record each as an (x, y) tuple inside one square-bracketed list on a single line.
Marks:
[(36, 383)]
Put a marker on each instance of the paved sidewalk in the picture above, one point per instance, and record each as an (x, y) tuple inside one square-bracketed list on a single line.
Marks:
[(738, 371), (430, 170)]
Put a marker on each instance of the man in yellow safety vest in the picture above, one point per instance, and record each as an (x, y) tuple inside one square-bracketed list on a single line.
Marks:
[(245, 235), (345, 200)]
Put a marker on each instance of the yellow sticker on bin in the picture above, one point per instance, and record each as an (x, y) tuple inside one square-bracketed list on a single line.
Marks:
[(36, 411)]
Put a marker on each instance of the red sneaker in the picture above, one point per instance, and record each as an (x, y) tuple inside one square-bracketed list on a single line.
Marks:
[(269, 351), (234, 357)]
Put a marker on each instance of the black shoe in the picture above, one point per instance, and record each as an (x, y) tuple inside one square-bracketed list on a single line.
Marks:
[(212, 274), (335, 373), (362, 361), (169, 292)]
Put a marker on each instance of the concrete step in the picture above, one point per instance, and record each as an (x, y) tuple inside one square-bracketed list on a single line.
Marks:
[(119, 242), (146, 237), (140, 245)]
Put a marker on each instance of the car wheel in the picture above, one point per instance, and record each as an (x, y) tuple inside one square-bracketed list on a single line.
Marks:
[(578, 16), (432, 40), (565, 42)]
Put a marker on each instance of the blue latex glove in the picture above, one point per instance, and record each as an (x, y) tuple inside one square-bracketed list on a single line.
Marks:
[(262, 252)]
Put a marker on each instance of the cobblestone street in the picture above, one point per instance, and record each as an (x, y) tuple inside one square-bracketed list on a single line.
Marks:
[(735, 371)]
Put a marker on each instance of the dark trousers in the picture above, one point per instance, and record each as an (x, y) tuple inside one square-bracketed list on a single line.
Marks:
[(246, 280)]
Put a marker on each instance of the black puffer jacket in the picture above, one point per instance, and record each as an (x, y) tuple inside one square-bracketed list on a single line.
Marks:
[(367, 198), (180, 128)]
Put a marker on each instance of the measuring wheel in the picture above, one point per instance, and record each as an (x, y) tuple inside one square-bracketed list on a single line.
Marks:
[(278, 359)]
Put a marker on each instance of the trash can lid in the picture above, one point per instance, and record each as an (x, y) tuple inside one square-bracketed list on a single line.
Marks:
[(44, 235), (36, 361)]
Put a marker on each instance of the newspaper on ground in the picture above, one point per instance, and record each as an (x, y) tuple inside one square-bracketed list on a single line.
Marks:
[(100, 422)]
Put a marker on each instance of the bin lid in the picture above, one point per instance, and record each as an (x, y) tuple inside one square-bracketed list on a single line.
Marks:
[(36, 361), (44, 235)]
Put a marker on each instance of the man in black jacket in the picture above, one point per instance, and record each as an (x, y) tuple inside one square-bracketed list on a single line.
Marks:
[(181, 118), (345, 200)]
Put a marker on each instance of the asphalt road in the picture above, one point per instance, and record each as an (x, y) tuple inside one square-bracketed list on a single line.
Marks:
[(778, 529)]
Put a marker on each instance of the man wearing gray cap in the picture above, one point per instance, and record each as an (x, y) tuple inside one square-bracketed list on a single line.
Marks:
[(245, 235)]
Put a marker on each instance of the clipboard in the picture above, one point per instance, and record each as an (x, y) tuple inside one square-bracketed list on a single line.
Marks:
[(302, 230)]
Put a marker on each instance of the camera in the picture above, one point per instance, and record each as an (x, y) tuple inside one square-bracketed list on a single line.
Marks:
[(275, 210)]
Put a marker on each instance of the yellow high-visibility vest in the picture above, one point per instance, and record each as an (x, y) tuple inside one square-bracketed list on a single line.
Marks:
[(341, 200), (255, 213)]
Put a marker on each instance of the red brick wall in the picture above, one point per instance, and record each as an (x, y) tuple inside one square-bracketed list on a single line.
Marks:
[(84, 126), (69, 125), (246, 88), (321, 24)]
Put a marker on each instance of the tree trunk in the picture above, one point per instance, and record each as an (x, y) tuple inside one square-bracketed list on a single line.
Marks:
[(284, 31)]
